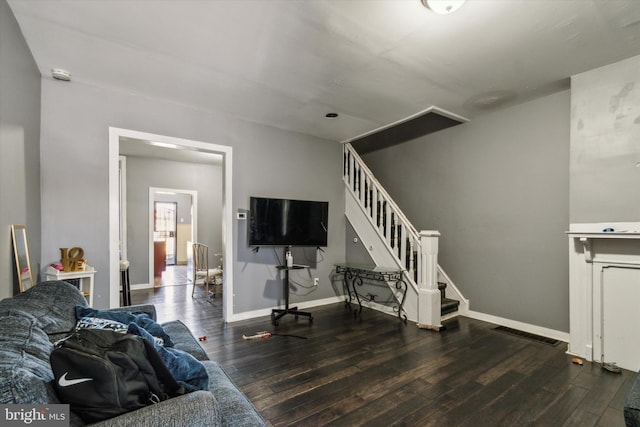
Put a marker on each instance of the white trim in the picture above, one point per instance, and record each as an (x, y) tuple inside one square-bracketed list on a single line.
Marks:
[(122, 188), (526, 327), (597, 227), (114, 218), (247, 315), (194, 220), (227, 214), (590, 250), (138, 286)]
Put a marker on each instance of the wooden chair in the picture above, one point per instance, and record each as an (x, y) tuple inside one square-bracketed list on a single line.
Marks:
[(202, 274)]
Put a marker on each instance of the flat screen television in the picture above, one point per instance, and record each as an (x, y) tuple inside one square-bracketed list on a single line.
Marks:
[(284, 222)]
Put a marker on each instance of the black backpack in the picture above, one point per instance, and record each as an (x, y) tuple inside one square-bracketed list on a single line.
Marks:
[(103, 373)]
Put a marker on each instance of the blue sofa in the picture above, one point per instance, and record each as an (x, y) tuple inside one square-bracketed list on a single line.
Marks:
[(31, 321)]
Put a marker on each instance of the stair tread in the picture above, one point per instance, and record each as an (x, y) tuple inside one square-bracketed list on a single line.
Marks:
[(448, 305)]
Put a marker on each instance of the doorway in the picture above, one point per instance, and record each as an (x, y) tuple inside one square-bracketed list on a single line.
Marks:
[(173, 220), (154, 140), (165, 225)]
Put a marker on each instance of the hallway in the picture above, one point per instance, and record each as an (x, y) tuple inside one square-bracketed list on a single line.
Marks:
[(173, 299)]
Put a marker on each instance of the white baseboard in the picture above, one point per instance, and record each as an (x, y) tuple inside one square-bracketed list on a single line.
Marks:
[(526, 327), (236, 317)]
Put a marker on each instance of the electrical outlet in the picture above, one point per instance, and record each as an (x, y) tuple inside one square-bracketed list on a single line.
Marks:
[(316, 281)]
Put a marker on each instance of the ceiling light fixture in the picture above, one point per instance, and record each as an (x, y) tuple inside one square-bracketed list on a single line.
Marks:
[(443, 7), (331, 115), (163, 144), (60, 74)]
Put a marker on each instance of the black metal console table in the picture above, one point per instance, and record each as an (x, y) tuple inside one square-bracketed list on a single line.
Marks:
[(354, 276), (278, 313)]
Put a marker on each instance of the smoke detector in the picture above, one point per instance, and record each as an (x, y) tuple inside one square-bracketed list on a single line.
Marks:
[(60, 74)]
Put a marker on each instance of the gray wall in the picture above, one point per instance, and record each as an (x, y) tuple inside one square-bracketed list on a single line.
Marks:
[(497, 188), (143, 173), (356, 252), (19, 148), (266, 162), (605, 144)]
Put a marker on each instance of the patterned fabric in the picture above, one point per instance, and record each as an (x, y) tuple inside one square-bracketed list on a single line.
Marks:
[(127, 317), (98, 323)]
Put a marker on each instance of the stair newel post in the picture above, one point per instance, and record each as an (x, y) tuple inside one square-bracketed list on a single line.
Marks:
[(428, 293)]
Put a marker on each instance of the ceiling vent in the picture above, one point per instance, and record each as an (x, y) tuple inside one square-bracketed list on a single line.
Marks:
[(425, 122)]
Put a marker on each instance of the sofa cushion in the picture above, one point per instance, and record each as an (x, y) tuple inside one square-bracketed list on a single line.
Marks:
[(58, 318), (25, 372), (184, 339), (632, 405), (197, 409), (235, 408)]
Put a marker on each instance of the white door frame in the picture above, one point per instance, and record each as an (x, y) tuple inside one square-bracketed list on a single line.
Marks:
[(122, 199), (227, 214), (194, 220)]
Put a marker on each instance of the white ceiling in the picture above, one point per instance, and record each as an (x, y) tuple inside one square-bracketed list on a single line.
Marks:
[(286, 63)]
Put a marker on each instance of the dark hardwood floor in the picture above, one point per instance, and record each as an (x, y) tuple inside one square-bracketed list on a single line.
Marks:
[(375, 371)]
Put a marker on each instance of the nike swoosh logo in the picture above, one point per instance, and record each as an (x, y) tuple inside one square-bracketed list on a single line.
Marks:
[(64, 382)]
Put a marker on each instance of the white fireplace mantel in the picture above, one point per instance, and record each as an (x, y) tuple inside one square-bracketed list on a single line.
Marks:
[(593, 255)]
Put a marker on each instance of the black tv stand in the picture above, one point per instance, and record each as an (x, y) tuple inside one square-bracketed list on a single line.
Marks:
[(278, 313)]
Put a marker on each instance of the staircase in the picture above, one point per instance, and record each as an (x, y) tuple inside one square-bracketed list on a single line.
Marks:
[(391, 240)]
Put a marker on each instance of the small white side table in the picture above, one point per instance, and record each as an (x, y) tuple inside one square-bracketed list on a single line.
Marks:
[(83, 278)]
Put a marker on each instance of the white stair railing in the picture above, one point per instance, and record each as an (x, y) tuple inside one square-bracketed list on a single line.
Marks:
[(416, 253), (402, 239)]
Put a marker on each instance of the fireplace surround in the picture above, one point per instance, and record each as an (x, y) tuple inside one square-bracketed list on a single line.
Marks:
[(604, 293)]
